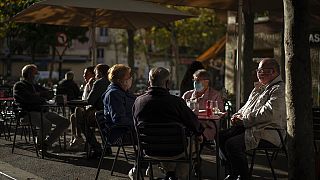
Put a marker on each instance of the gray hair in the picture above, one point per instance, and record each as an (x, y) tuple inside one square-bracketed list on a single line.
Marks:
[(27, 69), (273, 63), (202, 73), (158, 76)]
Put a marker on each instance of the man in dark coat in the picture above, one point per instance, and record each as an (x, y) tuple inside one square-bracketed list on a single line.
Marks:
[(157, 105), (86, 117), (30, 97), (68, 87)]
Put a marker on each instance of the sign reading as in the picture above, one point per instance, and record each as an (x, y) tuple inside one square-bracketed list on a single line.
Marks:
[(314, 38)]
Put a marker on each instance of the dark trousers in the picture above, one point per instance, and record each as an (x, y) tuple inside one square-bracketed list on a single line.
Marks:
[(232, 144), (85, 120)]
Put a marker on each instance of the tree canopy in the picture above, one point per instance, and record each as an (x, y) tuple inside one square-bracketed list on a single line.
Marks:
[(33, 38), (9, 8), (195, 34)]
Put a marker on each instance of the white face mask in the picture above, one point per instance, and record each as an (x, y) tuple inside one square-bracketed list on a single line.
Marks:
[(36, 78), (198, 86)]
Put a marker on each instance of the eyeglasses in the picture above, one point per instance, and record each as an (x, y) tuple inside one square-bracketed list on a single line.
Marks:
[(264, 71), (198, 80)]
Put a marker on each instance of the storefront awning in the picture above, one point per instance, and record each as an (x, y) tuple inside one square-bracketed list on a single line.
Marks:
[(214, 50)]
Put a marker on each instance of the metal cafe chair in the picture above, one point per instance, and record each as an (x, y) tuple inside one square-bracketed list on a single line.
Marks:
[(126, 139), (271, 151), (316, 126), (159, 142), (6, 117), (3, 128), (26, 126)]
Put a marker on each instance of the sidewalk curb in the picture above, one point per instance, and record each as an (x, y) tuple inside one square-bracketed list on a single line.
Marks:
[(13, 173)]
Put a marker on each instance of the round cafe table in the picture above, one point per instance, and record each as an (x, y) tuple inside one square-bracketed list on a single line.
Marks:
[(215, 118)]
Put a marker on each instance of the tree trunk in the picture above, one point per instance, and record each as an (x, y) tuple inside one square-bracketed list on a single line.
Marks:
[(145, 49), (298, 90), (282, 57), (175, 56), (131, 49), (248, 66), (51, 64), (116, 49)]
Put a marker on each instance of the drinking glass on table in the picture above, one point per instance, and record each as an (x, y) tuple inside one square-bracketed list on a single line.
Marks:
[(216, 109), (193, 105)]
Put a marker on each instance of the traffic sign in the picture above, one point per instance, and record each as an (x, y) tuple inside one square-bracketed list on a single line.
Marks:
[(62, 39)]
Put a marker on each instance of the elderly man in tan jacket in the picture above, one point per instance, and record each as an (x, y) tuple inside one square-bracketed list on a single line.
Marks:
[(264, 108)]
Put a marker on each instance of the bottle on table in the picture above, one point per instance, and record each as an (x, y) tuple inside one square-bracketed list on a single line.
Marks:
[(209, 106)]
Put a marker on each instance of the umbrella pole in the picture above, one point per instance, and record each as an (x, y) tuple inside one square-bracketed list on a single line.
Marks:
[(238, 60)]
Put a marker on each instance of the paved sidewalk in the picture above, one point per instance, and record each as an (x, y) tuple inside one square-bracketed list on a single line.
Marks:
[(11, 172), (24, 164)]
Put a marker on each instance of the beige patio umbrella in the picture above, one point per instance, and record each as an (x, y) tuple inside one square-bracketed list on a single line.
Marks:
[(123, 14), (232, 5)]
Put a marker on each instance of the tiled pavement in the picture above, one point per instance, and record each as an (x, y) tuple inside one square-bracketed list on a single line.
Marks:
[(24, 164)]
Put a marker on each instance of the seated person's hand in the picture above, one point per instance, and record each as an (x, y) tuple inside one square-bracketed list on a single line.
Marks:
[(200, 139), (236, 119)]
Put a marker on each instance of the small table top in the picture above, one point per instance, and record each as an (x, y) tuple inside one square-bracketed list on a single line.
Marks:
[(6, 99), (202, 116), (77, 102), (53, 103)]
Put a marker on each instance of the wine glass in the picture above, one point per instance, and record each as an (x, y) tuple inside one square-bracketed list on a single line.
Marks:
[(216, 109)]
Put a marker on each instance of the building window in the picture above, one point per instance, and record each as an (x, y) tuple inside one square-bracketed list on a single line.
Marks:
[(103, 31), (100, 53)]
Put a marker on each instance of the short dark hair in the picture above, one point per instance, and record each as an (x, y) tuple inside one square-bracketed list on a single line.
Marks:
[(90, 69), (159, 76), (102, 70)]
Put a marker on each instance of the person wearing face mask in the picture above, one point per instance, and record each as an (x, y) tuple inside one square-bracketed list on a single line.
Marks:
[(187, 83), (201, 93), (30, 96), (118, 100)]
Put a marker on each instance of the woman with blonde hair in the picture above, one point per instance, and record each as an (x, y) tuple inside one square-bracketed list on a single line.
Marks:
[(118, 100)]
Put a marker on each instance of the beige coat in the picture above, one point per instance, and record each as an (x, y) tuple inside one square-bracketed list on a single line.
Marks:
[(265, 107)]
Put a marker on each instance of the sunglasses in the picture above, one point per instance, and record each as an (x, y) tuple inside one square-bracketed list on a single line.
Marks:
[(264, 71)]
